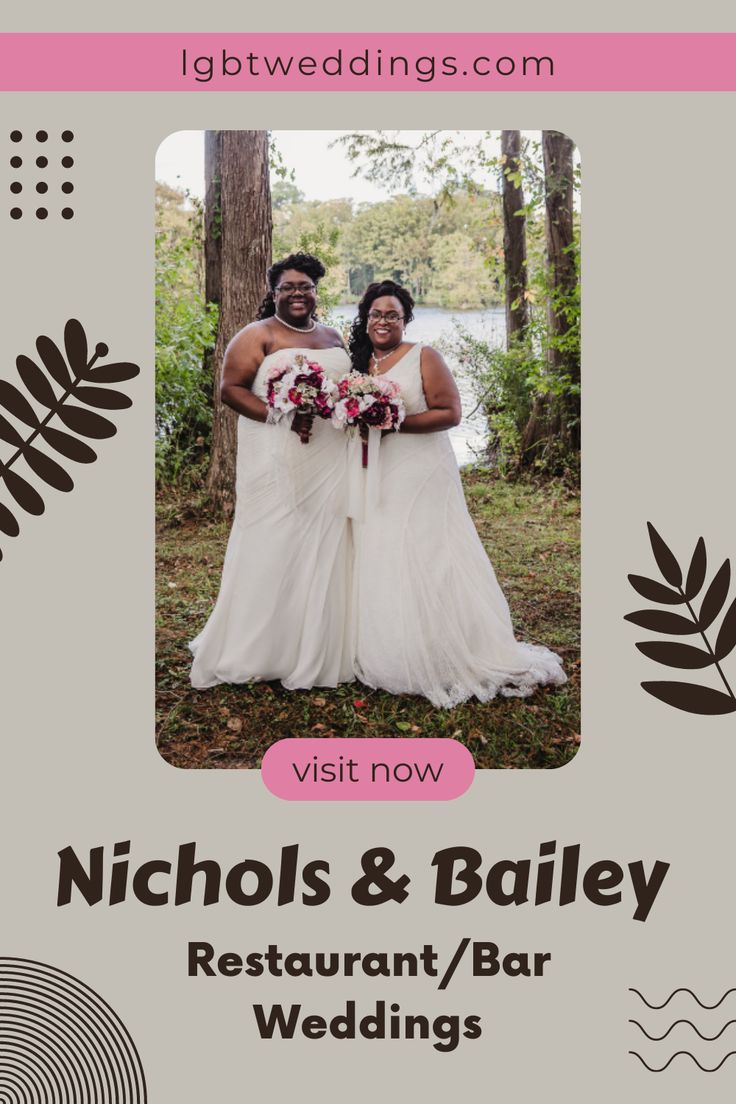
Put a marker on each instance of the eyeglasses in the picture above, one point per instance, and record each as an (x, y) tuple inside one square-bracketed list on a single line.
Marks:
[(289, 288), (388, 316)]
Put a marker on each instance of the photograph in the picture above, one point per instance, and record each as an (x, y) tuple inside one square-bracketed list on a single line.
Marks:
[(368, 442)]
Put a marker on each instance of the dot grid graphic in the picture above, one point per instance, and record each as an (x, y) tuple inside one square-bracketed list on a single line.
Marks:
[(41, 184)]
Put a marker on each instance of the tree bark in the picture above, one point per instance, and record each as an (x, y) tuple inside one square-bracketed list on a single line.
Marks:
[(212, 215), (244, 221), (514, 239), (557, 417), (558, 190)]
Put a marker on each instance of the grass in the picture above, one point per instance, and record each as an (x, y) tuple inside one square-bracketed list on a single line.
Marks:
[(531, 533)]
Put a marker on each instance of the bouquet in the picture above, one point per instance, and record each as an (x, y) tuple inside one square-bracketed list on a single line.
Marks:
[(300, 387), (367, 402)]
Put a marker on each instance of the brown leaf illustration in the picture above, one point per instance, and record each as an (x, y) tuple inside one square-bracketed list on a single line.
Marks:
[(666, 561), (8, 524), (17, 404), (696, 571), (53, 361), (684, 656), (9, 433), (112, 373), (656, 592), (23, 492), (86, 423), (68, 446), (715, 596), (35, 381), (662, 621), (692, 698), (103, 397), (75, 343), (726, 639), (48, 470)]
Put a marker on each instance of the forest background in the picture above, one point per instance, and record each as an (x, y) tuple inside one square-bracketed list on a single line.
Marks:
[(470, 222)]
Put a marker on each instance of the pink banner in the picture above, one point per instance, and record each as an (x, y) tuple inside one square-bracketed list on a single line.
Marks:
[(368, 769), (367, 62)]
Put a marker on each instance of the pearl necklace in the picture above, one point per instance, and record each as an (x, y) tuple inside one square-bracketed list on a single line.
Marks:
[(297, 329), (379, 360)]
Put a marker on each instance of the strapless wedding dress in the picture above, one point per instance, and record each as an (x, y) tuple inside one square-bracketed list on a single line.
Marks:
[(430, 617), (283, 611)]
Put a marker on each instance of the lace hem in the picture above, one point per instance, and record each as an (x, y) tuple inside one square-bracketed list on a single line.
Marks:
[(545, 669)]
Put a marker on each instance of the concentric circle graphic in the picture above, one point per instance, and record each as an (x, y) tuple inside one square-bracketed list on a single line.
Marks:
[(61, 1043)]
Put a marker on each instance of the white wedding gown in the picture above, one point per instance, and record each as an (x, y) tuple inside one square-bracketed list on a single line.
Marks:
[(284, 602), (430, 617)]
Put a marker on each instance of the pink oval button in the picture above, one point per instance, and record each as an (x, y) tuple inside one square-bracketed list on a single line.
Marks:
[(354, 769)]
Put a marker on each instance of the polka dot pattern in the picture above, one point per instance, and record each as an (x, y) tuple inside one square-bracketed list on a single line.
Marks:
[(46, 158)]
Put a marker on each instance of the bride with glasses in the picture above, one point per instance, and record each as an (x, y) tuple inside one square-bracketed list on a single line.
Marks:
[(283, 607), (429, 615)]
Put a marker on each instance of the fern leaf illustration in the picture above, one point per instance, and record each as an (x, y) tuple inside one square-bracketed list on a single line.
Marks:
[(690, 697), (696, 571), (80, 380)]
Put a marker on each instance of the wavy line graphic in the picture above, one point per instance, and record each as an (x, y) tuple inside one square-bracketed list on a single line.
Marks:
[(660, 1069), (709, 1007), (706, 1038)]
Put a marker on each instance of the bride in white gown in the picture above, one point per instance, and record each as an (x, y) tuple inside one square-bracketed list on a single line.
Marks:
[(284, 601), (430, 617)]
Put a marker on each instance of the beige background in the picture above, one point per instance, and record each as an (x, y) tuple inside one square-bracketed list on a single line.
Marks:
[(335, 15), (76, 591)]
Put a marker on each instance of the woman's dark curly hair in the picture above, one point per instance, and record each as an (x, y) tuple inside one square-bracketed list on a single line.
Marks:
[(359, 344), (301, 262)]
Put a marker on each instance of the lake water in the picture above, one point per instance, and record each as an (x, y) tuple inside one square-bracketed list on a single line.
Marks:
[(429, 326)]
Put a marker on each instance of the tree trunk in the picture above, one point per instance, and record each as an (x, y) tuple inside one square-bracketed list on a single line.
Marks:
[(244, 223), (558, 181), (557, 418), (514, 238), (212, 215)]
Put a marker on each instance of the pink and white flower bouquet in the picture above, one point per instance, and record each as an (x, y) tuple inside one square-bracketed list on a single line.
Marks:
[(300, 387), (367, 402)]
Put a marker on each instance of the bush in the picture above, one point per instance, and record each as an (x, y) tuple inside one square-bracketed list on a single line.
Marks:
[(186, 329), (530, 391)]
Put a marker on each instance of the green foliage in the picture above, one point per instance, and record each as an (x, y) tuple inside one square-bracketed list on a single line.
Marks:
[(283, 192), (503, 381), (185, 333), (460, 279), (445, 254), (313, 227), (508, 382)]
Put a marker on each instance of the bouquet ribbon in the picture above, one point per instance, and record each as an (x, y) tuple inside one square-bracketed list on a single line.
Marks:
[(363, 483)]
